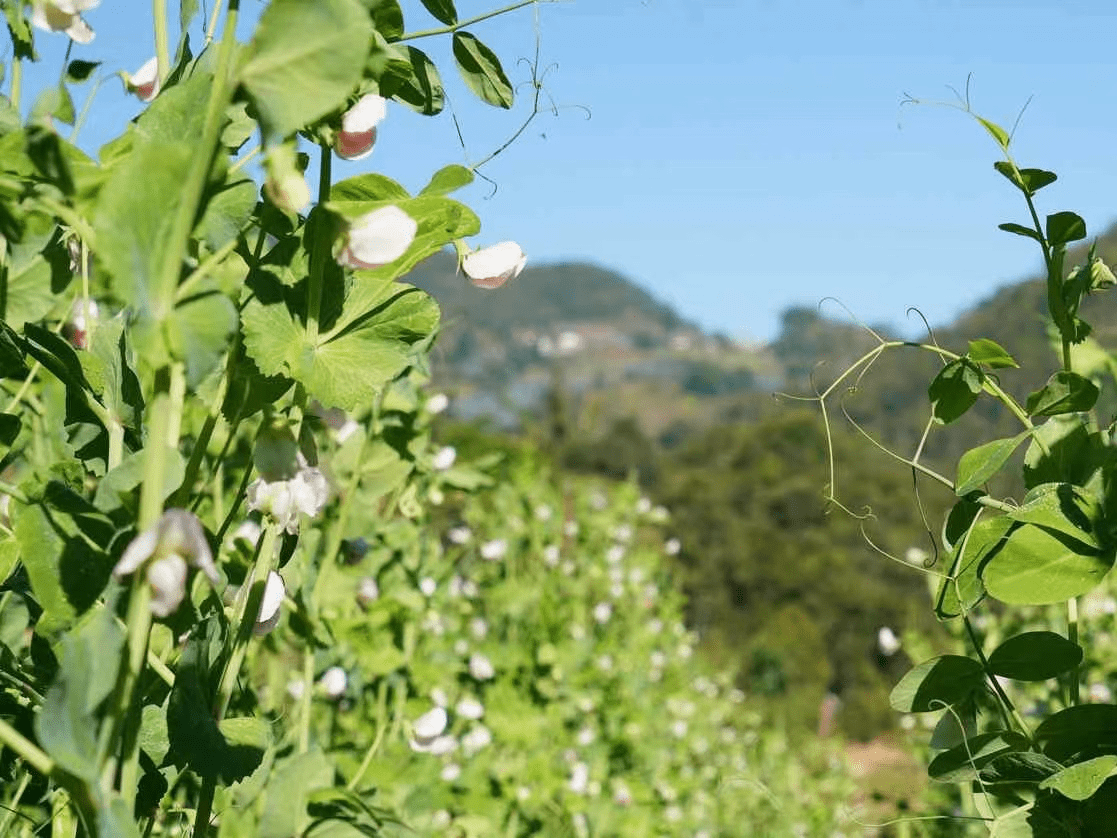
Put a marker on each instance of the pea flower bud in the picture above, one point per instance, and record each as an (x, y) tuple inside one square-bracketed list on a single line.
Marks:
[(268, 617), (164, 551), (427, 728), (285, 185), (358, 127), (145, 81), (377, 238), (491, 267), (444, 458), (333, 682), (480, 667), (64, 16)]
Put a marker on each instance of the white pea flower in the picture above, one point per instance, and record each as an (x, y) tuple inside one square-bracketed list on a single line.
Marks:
[(377, 238), (427, 728), (145, 81), (306, 493), (441, 819), (285, 184), (470, 589), (523, 793), (82, 312), (334, 681), (347, 429), (543, 512), (622, 796), (478, 628), (470, 708), (64, 16), (578, 631), (658, 659), (1100, 693), (605, 663), (615, 554), (493, 551), (616, 591), (602, 612), (296, 688), (679, 728), (428, 586), (887, 642), (274, 592), (367, 591), (439, 697), (443, 745), (586, 736), (460, 646), (450, 772), (165, 549), (459, 535), (570, 528), (551, 555), (491, 267), (444, 458), (358, 127), (643, 506), (437, 403), (476, 739), (624, 533), (673, 813), (672, 546), (248, 531), (480, 667), (579, 778)]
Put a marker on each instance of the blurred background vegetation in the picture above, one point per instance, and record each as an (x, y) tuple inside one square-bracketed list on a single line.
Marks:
[(576, 365)]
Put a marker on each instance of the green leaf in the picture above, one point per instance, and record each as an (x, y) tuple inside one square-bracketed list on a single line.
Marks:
[(963, 588), (1064, 227), (936, 683), (227, 213), (442, 10), (134, 217), (990, 353), (995, 131), (1029, 181), (54, 103), (1032, 820), (1019, 767), (448, 179), (20, 30), (481, 70), (1035, 656), (962, 762), (1066, 451), (78, 71), (954, 390), (387, 17), (292, 781), (978, 465), (1038, 566), (1020, 230), (63, 724), (1080, 781), (198, 332), (420, 87), (369, 188), (304, 61), (1065, 392), (1062, 507), (348, 368), (67, 573), (1089, 729), (109, 369)]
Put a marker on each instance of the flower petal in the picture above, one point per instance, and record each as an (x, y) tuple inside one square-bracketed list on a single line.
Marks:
[(491, 267), (378, 238)]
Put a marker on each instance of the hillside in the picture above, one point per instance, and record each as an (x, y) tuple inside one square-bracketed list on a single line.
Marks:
[(615, 352)]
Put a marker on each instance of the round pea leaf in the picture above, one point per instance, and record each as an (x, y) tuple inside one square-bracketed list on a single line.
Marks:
[(1035, 656)]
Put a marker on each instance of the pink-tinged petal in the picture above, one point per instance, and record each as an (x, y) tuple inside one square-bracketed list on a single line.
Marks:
[(491, 267), (378, 238), (358, 127), (145, 81), (353, 145)]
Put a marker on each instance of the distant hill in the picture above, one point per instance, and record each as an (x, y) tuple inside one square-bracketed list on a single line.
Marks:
[(619, 352)]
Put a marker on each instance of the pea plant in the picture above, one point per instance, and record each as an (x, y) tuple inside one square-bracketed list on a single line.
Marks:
[(211, 393), (1012, 572)]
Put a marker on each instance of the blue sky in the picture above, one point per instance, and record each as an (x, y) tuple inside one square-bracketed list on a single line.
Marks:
[(742, 156)]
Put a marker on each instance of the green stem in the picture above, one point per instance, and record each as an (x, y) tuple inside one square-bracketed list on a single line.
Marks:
[(304, 701), (246, 609), (186, 287), (318, 255), (17, 72), (1072, 636), (162, 49), (461, 24), (381, 729), (27, 750), (211, 27), (190, 196), (86, 105), (1006, 703), (240, 163), (13, 802)]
